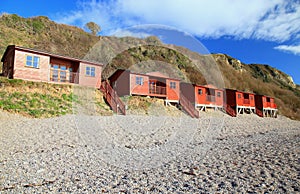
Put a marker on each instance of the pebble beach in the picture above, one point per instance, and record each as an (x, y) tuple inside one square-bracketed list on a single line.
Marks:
[(147, 154)]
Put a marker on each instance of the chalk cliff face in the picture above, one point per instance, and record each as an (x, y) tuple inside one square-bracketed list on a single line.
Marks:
[(259, 71), (225, 59), (269, 74)]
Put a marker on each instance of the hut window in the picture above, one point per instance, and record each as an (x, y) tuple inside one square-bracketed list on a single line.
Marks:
[(173, 85), (219, 94), (90, 71), (32, 61), (251, 97), (200, 91), (139, 81), (239, 96)]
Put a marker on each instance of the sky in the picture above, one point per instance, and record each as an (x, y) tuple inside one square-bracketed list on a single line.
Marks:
[(256, 31)]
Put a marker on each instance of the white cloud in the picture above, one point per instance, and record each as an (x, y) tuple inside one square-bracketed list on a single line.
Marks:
[(124, 33), (281, 24), (275, 20), (295, 49)]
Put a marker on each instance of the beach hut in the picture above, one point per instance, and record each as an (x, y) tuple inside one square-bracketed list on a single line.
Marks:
[(203, 97), (265, 106), (240, 102), (34, 65), (153, 84)]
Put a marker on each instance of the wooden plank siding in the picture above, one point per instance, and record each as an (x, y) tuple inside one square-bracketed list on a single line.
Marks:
[(120, 82), (125, 83), (8, 63), (265, 106), (209, 96), (203, 97), (173, 94), (51, 67), (86, 80), (189, 92), (240, 102), (21, 71), (139, 89), (245, 99)]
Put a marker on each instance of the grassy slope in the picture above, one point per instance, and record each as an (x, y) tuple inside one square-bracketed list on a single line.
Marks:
[(40, 100)]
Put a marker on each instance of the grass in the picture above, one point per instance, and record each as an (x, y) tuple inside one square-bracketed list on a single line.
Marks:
[(139, 105), (42, 100)]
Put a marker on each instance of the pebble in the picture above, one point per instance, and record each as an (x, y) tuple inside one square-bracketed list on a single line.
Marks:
[(59, 155)]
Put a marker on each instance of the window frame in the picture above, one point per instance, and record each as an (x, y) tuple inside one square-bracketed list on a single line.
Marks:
[(90, 71), (173, 85), (200, 93), (32, 63), (218, 94), (139, 80)]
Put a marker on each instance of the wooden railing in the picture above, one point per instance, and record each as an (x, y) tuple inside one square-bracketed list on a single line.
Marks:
[(112, 98), (210, 98), (230, 110), (58, 75), (188, 106), (157, 90)]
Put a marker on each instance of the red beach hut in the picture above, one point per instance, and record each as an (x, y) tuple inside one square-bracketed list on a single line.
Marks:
[(203, 97), (265, 106), (240, 102), (154, 84)]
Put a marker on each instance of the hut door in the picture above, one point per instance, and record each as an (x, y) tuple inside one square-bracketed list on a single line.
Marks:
[(63, 73), (152, 86)]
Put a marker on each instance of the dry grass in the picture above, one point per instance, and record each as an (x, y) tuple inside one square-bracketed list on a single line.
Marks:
[(138, 105), (40, 100)]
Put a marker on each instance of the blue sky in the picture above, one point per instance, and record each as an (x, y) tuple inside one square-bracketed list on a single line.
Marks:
[(256, 31)]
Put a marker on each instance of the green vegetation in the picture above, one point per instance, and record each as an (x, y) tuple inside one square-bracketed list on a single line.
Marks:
[(40, 100)]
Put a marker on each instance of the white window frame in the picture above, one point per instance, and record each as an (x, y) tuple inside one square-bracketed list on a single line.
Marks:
[(173, 85), (90, 71), (34, 62), (139, 80)]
